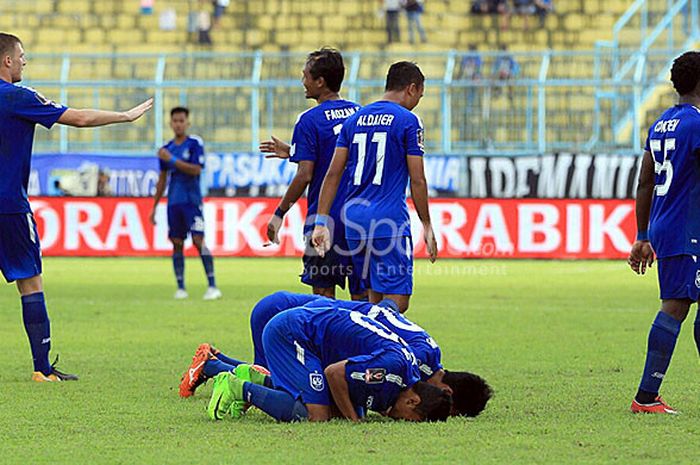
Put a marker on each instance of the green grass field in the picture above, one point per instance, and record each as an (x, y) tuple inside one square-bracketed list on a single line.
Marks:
[(562, 344)]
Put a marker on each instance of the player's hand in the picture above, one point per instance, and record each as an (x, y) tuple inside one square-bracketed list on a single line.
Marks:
[(164, 155), (641, 257), (274, 148), (273, 229), (321, 239), (138, 111), (152, 218), (430, 242)]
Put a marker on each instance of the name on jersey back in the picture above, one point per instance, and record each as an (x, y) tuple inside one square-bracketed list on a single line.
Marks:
[(339, 113), (375, 120), (668, 125)]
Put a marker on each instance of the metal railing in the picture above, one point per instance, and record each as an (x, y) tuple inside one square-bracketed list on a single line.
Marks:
[(550, 100)]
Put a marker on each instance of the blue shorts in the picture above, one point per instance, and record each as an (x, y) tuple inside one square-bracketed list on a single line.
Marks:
[(330, 270), (385, 264), (679, 277), (295, 368), (185, 219), (20, 253)]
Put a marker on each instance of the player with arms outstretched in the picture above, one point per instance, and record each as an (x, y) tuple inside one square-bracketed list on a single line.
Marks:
[(381, 147), (668, 225), (183, 159), (313, 142), (21, 109)]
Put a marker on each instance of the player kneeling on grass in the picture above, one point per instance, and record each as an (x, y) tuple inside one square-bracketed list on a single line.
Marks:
[(470, 393), (183, 159), (667, 203), (326, 363)]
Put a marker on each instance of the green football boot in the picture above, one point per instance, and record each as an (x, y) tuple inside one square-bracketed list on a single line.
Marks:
[(227, 396), (250, 373)]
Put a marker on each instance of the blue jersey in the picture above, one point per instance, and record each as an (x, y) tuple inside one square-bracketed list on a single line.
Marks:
[(674, 141), (379, 363), (379, 137), (314, 138), (427, 351), (21, 109), (185, 188)]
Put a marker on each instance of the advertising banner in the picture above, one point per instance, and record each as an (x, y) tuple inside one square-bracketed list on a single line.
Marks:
[(465, 228)]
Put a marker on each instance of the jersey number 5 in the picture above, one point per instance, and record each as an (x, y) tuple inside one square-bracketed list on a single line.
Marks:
[(360, 139), (664, 166)]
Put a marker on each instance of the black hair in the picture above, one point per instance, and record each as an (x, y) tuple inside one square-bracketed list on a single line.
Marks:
[(8, 42), (435, 404), (470, 392), (402, 74), (327, 63), (184, 110), (685, 72)]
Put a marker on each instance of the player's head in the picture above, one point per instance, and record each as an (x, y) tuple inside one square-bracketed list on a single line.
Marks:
[(323, 73), (422, 402), (12, 60), (470, 393), (685, 73), (406, 79), (180, 120)]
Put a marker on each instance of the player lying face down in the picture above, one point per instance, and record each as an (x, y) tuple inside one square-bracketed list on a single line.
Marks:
[(327, 362), (470, 392)]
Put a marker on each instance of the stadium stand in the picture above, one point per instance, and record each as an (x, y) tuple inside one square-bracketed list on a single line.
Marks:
[(56, 26)]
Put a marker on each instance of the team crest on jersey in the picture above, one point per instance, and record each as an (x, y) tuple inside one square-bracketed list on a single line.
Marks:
[(375, 375), (370, 402), (697, 279), (316, 381)]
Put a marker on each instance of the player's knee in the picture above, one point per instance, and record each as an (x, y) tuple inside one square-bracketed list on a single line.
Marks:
[(178, 244), (677, 309)]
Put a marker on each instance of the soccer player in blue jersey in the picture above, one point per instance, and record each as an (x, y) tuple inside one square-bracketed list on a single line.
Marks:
[(326, 363), (469, 392), (381, 148), (668, 225), (21, 109), (182, 159), (313, 142)]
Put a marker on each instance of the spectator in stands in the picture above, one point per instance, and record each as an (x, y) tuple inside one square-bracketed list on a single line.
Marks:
[(392, 9), (470, 65), (524, 8), (542, 9), (414, 10), (505, 68), (219, 10), (204, 24), (104, 189), (470, 69), (493, 7)]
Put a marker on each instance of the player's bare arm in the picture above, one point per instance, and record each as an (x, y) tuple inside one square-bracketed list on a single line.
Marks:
[(335, 375), (642, 255), (275, 148), (419, 194), (321, 237), (296, 189), (160, 189), (92, 118), (192, 169)]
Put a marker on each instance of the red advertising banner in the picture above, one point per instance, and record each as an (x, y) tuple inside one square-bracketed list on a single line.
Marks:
[(464, 228)]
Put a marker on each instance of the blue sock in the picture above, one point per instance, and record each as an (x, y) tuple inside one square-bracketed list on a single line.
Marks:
[(214, 367), (36, 323), (226, 359), (279, 405), (208, 262), (179, 267), (662, 340), (697, 330)]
